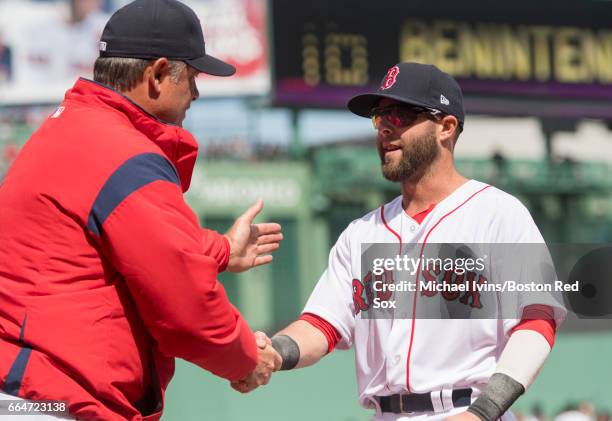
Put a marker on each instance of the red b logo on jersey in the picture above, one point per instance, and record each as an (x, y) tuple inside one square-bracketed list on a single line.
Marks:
[(390, 78)]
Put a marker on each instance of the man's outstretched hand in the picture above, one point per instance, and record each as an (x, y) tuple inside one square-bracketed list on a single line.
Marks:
[(250, 244)]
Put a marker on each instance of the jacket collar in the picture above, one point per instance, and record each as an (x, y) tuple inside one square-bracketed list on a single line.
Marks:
[(179, 146)]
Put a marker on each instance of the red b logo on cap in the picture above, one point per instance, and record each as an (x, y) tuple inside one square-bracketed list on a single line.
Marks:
[(390, 78)]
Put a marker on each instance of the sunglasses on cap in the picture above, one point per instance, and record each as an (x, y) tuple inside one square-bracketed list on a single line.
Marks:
[(400, 115)]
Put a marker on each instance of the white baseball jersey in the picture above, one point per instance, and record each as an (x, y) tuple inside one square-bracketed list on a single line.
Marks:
[(406, 354)]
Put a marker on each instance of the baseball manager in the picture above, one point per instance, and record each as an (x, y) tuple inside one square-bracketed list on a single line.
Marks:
[(105, 274)]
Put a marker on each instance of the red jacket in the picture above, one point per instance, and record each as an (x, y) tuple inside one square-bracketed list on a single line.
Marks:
[(105, 273)]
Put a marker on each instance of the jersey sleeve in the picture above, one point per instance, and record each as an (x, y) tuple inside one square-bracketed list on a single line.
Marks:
[(331, 334), (169, 264), (332, 298), (523, 258), (540, 319)]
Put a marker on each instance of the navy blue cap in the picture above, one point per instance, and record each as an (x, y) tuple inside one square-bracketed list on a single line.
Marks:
[(423, 85), (150, 29)]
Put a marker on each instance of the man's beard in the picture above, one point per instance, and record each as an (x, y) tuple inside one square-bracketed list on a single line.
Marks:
[(416, 157)]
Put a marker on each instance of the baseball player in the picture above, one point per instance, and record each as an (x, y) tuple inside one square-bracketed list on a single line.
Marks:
[(410, 367)]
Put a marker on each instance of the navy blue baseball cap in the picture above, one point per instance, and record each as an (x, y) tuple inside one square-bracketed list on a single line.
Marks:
[(422, 85), (150, 29)]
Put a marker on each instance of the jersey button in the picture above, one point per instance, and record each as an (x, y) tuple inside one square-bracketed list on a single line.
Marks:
[(412, 228), (397, 359)]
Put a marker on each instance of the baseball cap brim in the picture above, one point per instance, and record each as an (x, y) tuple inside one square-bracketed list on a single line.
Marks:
[(212, 66), (362, 104)]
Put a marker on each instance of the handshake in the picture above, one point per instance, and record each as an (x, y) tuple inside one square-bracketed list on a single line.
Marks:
[(269, 360)]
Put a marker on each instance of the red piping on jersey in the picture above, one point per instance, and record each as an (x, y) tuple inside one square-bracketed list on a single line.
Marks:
[(417, 284), (382, 216)]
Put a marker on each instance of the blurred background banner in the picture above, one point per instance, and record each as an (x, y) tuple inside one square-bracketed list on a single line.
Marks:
[(537, 77), (236, 31), (46, 45)]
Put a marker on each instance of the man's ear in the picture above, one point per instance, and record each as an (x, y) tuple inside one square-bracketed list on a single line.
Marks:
[(156, 74), (449, 124)]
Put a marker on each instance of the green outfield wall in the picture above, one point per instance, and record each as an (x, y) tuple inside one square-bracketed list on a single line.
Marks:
[(273, 295)]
